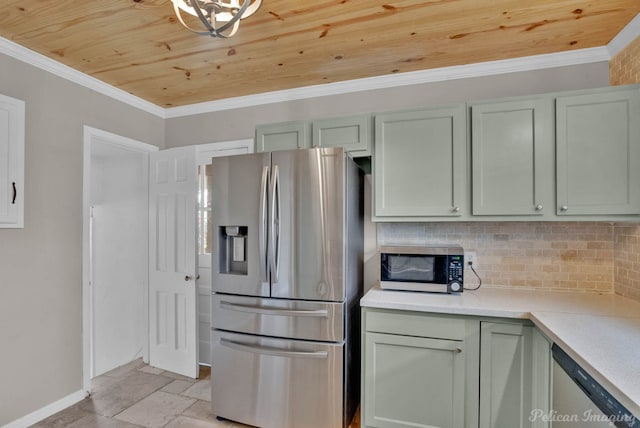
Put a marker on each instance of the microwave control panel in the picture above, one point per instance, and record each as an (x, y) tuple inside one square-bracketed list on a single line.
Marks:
[(455, 273)]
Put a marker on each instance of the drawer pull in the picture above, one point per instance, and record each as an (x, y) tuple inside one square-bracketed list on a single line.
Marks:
[(275, 352), (264, 310)]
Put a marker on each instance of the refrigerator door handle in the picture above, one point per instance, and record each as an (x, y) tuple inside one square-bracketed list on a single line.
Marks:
[(274, 242), (262, 225), (254, 309), (272, 351)]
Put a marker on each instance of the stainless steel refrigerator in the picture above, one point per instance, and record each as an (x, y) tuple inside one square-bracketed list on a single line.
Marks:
[(286, 282)]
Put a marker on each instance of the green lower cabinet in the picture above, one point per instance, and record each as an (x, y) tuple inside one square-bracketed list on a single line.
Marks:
[(414, 382), (514, 375), (541, 382), (419, 370), (424, 370)]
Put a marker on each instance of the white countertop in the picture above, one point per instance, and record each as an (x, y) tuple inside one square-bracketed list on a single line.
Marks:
[(600, 331)]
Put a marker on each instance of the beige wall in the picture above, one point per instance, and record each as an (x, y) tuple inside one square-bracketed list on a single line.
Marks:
[(624, 68), (240, 123), (41, 265)]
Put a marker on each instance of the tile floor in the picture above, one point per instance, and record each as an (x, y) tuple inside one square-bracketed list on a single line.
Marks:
[(137, 395)]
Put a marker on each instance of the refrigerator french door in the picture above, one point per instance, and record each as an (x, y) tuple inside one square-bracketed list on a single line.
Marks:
[(286, 278)]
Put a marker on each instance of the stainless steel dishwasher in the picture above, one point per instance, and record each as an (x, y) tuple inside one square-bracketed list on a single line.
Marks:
[(580, 401)]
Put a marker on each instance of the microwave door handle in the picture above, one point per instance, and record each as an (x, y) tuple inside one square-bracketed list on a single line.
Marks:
[(262, 225), (274, 241)]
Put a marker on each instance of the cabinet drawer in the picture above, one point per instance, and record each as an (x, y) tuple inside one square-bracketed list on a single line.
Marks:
[(416, 324)]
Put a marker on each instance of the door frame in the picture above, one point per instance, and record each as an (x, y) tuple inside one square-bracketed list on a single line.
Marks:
[(92, 136)]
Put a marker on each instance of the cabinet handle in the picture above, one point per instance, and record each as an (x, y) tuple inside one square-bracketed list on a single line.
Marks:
[(458, 350), (15, 193), (564, 208), (188, 278), (538, 207), (456, 209)]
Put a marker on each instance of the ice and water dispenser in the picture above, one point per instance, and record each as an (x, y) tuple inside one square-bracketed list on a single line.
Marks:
[(233, 250)]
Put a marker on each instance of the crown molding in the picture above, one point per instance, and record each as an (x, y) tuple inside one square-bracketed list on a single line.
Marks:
[(42, 62), (627, 35), (534, 62)]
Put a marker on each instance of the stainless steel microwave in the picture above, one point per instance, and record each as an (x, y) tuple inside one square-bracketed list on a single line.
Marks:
[(425, 268)]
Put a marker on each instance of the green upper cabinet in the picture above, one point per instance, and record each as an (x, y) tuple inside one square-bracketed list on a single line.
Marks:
[(282, 136), (512, 157), (420, 164), (352, 133), (598, 152)]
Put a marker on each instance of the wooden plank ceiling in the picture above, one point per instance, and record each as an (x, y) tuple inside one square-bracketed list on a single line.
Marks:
[(140, 47)]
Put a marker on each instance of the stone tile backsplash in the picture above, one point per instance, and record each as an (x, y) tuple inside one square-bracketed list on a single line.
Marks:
[(624, 68), (552, 255), (626, 248)]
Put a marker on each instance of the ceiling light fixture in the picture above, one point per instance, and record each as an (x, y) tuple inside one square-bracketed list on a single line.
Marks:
[(220, 18)]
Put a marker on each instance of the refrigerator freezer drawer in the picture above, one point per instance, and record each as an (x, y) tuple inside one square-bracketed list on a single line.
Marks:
[(277, 383), (323, 321)]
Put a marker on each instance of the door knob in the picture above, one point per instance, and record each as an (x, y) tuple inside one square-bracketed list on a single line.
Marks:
[(188, 278)]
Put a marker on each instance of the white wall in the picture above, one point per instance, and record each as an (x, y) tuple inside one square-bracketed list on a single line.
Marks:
[(120, 218), (41, 265)]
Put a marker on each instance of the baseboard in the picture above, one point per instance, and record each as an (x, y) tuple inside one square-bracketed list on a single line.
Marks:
[(47, 411)]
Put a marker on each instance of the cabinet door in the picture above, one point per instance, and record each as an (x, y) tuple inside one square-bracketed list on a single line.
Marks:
[(11, 162), (420, 163), (413, 382), (541, 380), (598, 153), (282, 136), (505, 375), (351, 133), (512, 157)]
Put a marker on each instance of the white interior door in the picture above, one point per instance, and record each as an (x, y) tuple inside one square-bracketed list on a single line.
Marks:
[(173, 343)]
